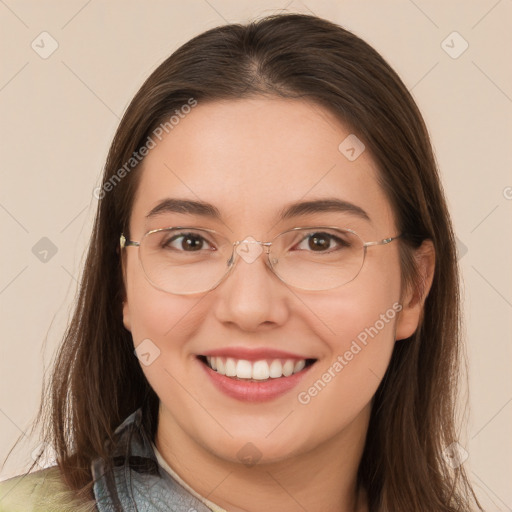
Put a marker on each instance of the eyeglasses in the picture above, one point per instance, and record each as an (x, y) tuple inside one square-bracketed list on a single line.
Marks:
[(182, 260)]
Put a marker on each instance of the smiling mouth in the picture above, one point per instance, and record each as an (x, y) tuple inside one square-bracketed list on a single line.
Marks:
[(255, 371)]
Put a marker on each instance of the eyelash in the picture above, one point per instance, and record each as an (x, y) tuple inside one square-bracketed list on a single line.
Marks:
[(184, 235)]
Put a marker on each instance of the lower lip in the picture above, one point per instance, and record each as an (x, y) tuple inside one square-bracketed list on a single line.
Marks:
[(252, 391)]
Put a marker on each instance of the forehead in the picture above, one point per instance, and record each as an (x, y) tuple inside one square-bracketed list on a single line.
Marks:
[(251, 157)]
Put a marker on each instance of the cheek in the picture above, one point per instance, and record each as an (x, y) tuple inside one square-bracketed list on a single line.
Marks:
[(360, 332), (366, 305), (161, 325), (155, 314), (357, 329), (347, 379), (161, 316)]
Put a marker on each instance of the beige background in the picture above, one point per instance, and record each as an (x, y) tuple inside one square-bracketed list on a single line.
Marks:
[(59, 115)]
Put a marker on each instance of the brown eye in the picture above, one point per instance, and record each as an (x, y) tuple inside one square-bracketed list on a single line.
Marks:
[(321, 242), (188, 242)]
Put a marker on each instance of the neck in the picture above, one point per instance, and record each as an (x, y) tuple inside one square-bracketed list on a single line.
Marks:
[(322, 479)]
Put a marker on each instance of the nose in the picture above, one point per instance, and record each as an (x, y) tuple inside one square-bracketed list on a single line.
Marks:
[(252, 296)]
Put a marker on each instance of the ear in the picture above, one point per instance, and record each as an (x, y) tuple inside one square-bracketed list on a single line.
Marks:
[(126, 307), (414, 297), (126, 316)]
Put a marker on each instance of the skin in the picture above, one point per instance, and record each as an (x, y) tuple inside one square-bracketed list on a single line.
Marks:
[(249, 158)]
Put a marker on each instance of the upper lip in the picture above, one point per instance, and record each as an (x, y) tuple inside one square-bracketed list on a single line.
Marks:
[(252, 354)]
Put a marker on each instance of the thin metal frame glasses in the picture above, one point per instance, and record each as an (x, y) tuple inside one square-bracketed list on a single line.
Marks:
[(199, 270)]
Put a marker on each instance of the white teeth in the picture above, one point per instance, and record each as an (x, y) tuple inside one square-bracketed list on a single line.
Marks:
[(244, 369), (288, 368), (299, 365), (220, 365), (276, 369), (260, 370), (257, 370), (230, 367)]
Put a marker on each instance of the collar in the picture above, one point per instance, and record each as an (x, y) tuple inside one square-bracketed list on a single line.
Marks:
[(132, 480), (163, 464)]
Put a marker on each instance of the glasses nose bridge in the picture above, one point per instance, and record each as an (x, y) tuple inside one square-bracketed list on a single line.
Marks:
[(246, 254)]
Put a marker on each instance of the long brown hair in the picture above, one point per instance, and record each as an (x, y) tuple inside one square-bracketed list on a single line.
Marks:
[(97, 381)]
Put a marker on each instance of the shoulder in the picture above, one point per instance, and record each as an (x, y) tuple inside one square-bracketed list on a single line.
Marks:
[(41, 491)]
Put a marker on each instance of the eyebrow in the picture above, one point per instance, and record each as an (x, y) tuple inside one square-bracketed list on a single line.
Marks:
[(296, 209)]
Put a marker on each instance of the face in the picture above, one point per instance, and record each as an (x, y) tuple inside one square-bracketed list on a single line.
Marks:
[(251, 159)]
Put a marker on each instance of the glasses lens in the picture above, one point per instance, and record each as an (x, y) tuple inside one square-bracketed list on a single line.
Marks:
[(184, 260), (317, 258), (189, 260)]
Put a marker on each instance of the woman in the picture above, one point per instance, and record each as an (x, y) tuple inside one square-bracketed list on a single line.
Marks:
[(268, 317)]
